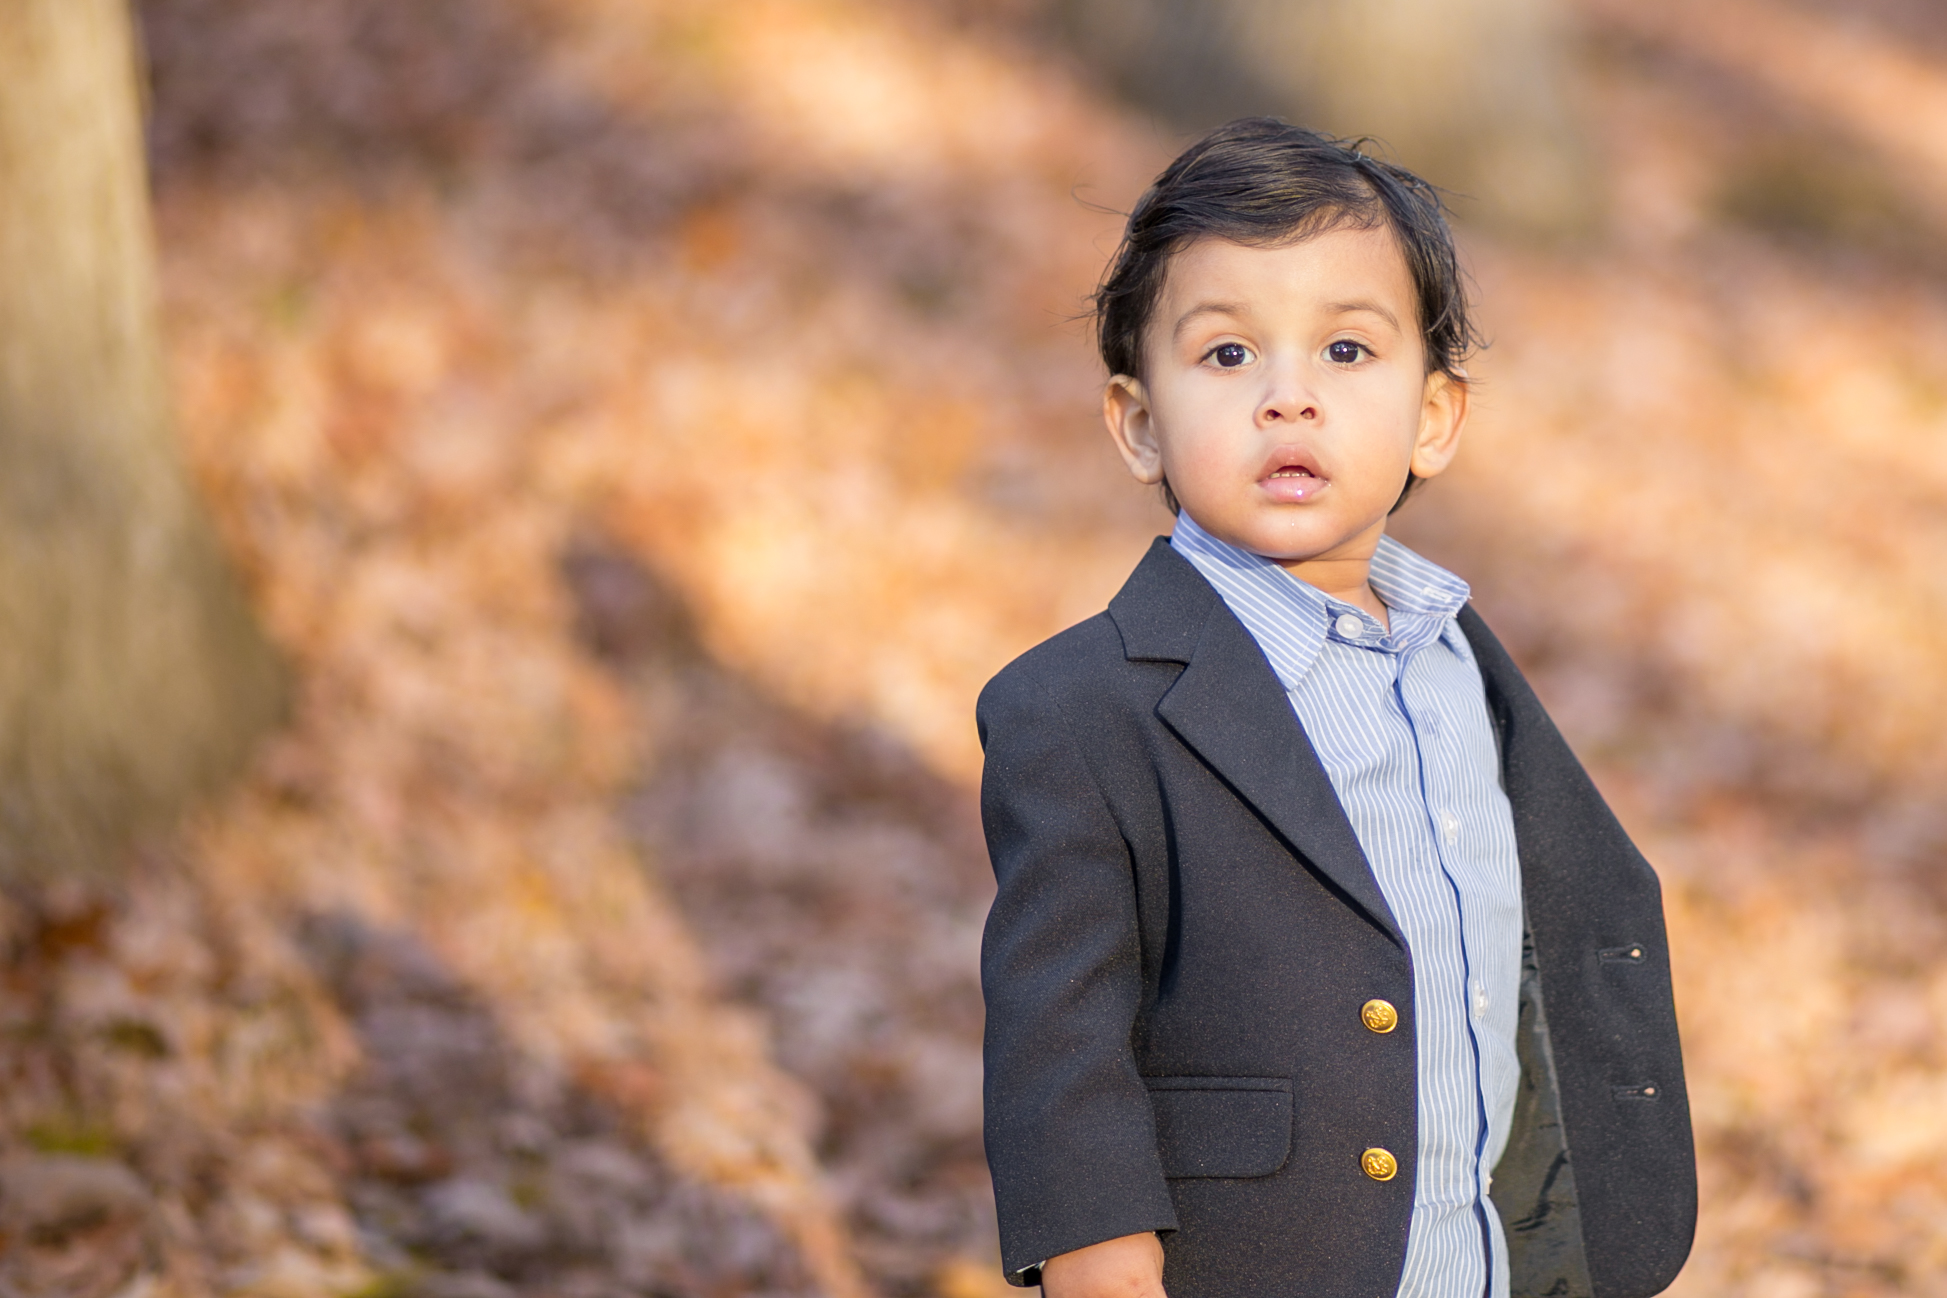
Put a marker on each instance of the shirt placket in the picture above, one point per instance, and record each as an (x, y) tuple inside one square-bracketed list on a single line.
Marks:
[(1442, 795)]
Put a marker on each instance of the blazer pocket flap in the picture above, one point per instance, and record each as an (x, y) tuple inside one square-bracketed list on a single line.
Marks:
[(1221, 1126)]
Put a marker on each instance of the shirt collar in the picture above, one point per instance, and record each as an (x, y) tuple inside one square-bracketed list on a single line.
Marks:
[(1291, 620)]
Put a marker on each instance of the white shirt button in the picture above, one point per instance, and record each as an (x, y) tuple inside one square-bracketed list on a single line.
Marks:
[(1480, 1000), (1350, 626), (1450, 827)]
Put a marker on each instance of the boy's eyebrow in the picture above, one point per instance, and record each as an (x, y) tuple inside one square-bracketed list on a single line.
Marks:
[(1346, 308), (1208, 308), (1239, 309)]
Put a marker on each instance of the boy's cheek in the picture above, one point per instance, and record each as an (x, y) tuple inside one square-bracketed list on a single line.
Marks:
[(1204, 479), (1219, 445)]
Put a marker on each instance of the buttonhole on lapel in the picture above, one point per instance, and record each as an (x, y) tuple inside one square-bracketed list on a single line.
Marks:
[(1647, 1091), (1631, 954)]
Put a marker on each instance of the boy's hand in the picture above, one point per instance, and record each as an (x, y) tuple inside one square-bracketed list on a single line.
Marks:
[(1129, 1267)]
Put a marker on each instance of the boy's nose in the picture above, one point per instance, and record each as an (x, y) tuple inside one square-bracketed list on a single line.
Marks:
[(1288, 407)]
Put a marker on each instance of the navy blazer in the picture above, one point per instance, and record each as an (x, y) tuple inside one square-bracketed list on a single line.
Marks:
[(1185, 931)]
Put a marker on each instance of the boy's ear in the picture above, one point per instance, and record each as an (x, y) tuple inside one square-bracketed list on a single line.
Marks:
[(1125, 409), (1443, 416)]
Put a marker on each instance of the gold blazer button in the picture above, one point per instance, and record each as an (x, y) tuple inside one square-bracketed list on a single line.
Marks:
[(1379, 1016), (1379, 1164)]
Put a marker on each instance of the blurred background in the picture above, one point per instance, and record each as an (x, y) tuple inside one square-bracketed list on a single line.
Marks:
[(505, 507)]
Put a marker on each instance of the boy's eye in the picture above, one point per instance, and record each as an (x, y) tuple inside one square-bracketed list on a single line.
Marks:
[(1345, 353), (1230, 355)]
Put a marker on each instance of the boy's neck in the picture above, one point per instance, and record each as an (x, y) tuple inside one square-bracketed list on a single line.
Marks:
[(1348, 580)]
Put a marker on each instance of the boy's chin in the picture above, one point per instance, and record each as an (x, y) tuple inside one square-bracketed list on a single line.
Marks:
[(1278, 541)]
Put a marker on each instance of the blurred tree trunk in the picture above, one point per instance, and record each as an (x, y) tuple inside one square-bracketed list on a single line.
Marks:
[(132, 676), (1473, 94)]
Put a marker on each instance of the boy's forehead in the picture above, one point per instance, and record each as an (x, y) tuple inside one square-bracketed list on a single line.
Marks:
[(1341, 267)]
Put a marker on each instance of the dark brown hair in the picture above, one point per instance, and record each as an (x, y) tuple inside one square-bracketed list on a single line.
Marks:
[(1262, 181)]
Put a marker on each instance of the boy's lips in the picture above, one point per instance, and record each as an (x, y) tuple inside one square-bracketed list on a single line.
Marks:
[(1292, 475)]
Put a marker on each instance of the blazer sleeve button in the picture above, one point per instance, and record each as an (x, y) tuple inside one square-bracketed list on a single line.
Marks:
[(1379, 1164), (1379, 1016)]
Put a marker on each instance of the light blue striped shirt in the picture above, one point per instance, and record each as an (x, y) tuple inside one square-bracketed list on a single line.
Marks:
[(1399, 720)]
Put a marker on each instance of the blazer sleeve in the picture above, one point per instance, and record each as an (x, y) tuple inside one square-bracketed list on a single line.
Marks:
[(1071, 1136)]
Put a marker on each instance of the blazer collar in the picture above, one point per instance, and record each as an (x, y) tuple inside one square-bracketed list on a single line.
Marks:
[(1228, 706), (1161, 609)]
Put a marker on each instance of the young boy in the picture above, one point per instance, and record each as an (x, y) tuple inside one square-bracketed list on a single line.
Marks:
[(1311, 932)]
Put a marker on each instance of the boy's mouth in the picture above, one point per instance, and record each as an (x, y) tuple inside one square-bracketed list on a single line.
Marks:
[(1292, 475)]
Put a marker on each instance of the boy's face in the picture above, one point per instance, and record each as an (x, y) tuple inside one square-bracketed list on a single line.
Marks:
[(1287, 396)]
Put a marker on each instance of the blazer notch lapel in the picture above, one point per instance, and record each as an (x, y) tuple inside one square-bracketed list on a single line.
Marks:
[(1228, 706)]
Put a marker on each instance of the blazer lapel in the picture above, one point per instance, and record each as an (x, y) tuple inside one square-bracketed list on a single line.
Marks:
[(1229, 707)]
